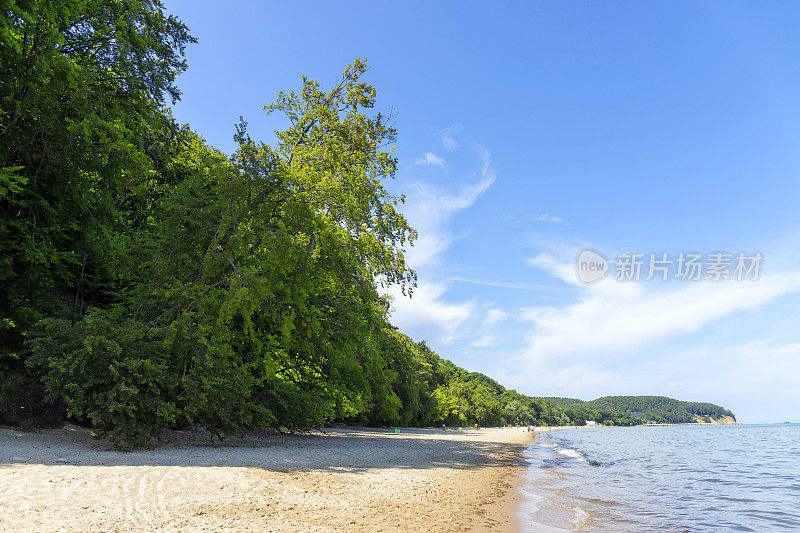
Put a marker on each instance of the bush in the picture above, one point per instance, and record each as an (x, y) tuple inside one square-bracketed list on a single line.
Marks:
[(107, 374)]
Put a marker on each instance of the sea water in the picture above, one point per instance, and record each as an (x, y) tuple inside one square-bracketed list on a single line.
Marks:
[(664, 478)]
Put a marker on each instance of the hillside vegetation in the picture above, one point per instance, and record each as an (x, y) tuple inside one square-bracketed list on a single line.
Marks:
[(640, 409)]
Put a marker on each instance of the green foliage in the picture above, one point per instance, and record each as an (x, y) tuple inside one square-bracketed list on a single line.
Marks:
[(149, 281), (107, 371), (659, 408), (153, 282), (81, 142), (564, 402), (631, 410)]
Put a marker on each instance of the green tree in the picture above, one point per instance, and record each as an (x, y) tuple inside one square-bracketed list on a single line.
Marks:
[(82, 139), (256, 280)]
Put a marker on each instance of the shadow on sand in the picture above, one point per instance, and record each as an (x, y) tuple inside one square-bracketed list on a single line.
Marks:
[(346, 450)]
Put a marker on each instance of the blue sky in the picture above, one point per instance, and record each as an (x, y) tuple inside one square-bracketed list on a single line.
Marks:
[(531, 131)]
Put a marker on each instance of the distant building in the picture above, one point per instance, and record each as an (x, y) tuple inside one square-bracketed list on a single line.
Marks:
[(591, 423)]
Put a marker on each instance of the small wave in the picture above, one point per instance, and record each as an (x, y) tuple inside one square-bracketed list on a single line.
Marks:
[(737, 500), (569, 452), (575, 454), (580, 519), (532, 501)]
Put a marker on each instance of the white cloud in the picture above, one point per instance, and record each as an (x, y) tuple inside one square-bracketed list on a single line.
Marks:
[(430, 208), (503, 284), (613, 323), (448, 140), (614, 317), (544, 217), (554, 267), (429, 315), (487, 341), (430, 159), (494, 316), (668, 338)]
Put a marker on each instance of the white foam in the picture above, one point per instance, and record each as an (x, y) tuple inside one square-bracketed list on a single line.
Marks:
[(532, 501), (581, 517), (569, 452)]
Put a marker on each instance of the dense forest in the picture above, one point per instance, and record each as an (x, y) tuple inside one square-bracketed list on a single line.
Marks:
[(628, 410), (150, 281)]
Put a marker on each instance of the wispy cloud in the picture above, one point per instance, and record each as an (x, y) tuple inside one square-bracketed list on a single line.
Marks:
[(494, 316), (556, 268), (429, 158), (487, 341), (613, 317), (448, 137), (544, 217), (429, 314), (501, 284), (430, 208)]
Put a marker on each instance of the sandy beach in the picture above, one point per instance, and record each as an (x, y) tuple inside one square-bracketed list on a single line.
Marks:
[(347, 479)]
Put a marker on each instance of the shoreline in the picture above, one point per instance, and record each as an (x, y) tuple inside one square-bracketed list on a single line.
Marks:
[(504, 510), (347, 478), (510, 504)]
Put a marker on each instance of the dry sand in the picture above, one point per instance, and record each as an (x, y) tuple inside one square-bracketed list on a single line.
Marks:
[(350, 479)]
